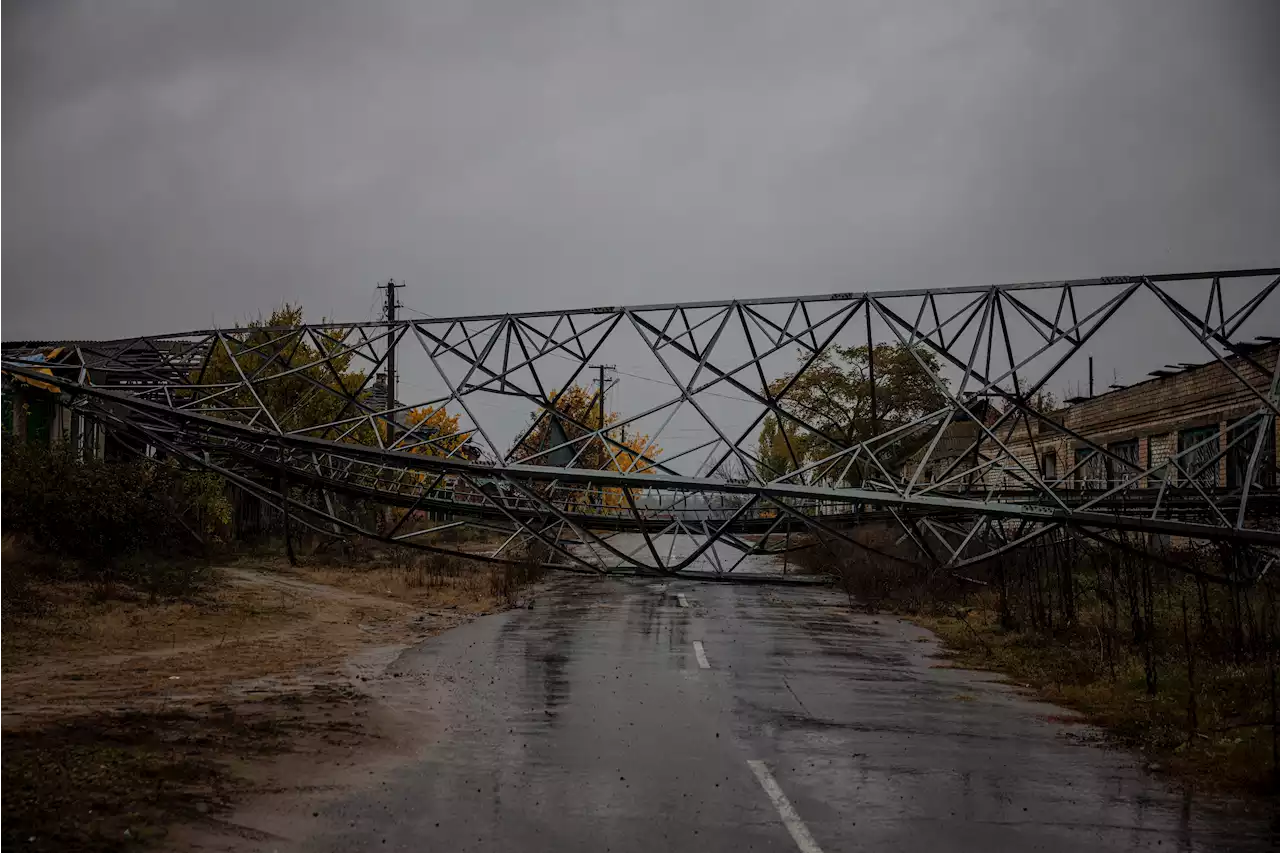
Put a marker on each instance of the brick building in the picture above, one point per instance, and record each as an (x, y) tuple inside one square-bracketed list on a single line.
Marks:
[(1196, 423)]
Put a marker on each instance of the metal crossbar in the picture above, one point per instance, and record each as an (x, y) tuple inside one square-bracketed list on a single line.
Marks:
[(963, 478)]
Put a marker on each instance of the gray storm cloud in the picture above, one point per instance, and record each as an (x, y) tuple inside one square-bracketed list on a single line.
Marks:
[(169, 166)]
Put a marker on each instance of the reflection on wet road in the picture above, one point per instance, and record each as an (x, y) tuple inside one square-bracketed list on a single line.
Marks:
[(590, 723)]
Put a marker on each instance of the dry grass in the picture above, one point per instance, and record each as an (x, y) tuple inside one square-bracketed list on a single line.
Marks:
[(1229, 747), (467, 591)]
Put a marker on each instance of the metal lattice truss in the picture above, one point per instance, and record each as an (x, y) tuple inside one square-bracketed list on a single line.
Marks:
[(680, 479)]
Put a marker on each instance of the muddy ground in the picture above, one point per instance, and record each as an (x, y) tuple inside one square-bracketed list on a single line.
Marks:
[(131, 724)]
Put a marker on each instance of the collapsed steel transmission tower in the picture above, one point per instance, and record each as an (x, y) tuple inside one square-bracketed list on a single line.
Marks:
[(303, 418)]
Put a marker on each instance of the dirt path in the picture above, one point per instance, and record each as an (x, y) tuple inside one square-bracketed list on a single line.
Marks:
[(261, 686)]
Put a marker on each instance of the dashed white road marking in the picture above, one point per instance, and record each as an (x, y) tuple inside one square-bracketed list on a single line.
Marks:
[(701, 653), (791, 820), (684, 602)]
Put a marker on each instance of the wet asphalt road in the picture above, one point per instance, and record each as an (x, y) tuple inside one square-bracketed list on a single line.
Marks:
[(588, 723)]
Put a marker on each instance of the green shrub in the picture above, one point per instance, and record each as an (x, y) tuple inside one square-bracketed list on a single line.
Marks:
[(111, 520)]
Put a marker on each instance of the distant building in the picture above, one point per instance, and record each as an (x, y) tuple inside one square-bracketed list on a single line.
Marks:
[(1200, 410), (1203, 410)]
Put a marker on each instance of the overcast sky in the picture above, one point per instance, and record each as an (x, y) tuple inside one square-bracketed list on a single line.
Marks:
[(174, 165)]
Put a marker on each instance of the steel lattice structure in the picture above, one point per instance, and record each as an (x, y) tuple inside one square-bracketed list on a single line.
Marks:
[(296, 416)]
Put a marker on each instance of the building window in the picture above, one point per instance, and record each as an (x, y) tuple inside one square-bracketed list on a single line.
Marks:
[(1241, 440), (1090, 469), (1049, 467), (1197, 455), (1127, 465)]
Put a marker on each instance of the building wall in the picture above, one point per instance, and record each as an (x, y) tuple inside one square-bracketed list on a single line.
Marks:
[(1154, 413)]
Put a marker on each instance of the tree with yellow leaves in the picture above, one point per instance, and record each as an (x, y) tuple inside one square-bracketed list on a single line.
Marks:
[(568, 437), (432, 431)]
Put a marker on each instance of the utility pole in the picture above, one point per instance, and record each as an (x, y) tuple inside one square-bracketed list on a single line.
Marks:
[(871, 373), (602, 368), (389, 314), (604, 444)]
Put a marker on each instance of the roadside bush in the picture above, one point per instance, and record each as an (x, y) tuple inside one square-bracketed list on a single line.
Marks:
[(111, 520), (507, 580), (19, 568)]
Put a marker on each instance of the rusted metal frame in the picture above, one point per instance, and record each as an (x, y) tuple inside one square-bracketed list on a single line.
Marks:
[(1033, 317), (547, 405), (690, 329), (417, 503), (715, 556), (583, 533), (684, 483), (275, 354), (549, 409), (684, 393), (626, 493), (810, 325), (1140, 472), (974, 309), (890, 435), (549, 341), (955, 399), (712, 537), (773, 300), (942, 386), (1263, 423), (249, 385), (350, 398), (443, 346), (778, 411), (653, 442), (550, 345), (1179, 311), (1107, 310), (1190, 321), (542, 400), (969, 310), (1245, 311), (759, 320), (1200, 490), (582, 353), (454, 391), (684, 389), (1017, 542), (1017, 388), (908, 526), (1215, 289)]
